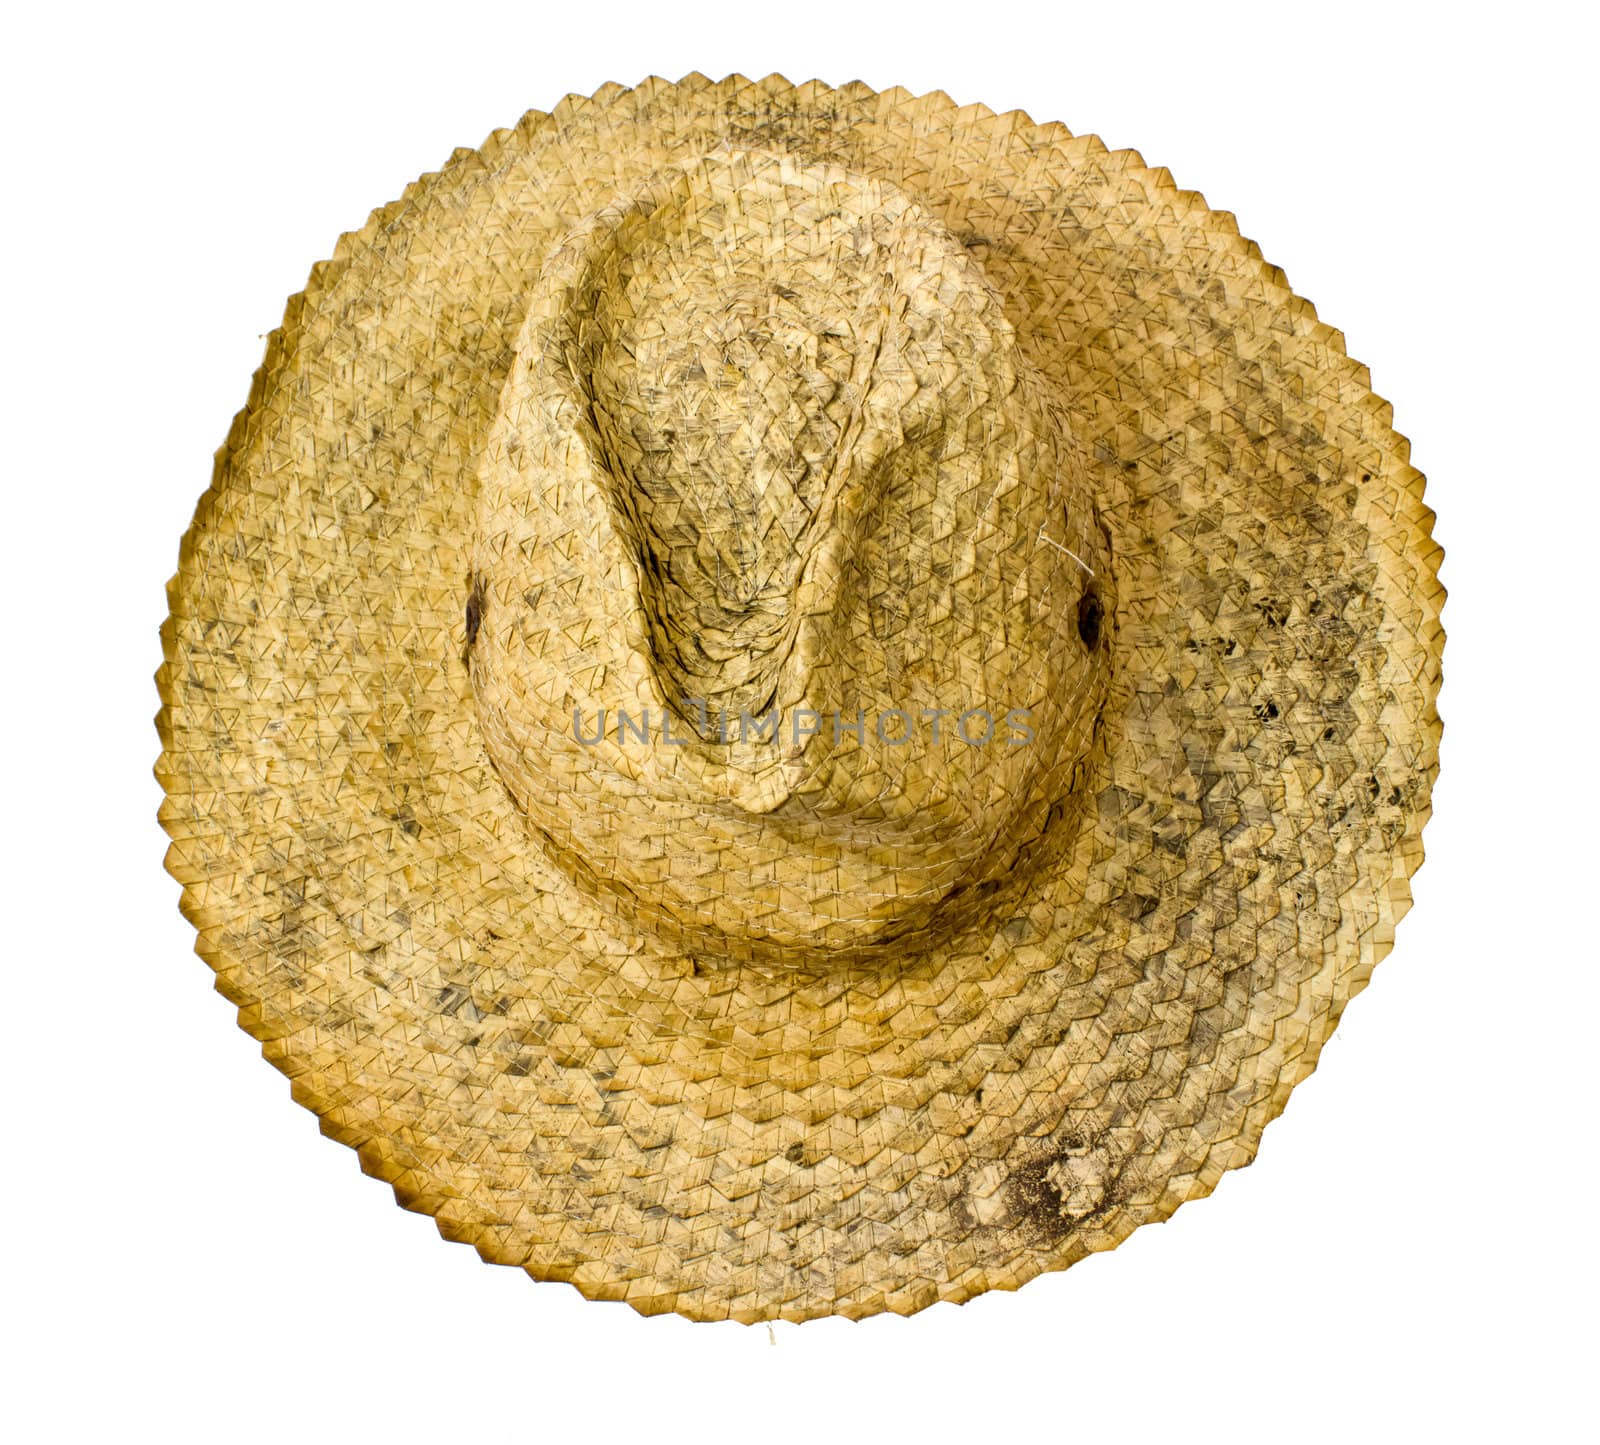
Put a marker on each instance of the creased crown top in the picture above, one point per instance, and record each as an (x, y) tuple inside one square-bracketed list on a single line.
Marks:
[(769, 452)]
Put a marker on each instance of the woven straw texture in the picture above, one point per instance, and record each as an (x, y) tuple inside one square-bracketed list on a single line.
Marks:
[(799, 398)]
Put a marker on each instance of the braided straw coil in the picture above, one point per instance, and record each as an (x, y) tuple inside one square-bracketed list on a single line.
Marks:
[(733, 400)]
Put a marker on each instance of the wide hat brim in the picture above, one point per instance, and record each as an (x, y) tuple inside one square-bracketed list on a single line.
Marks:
[(574, 1098)]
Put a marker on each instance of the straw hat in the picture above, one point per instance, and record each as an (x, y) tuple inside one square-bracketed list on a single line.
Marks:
[(793, 701)]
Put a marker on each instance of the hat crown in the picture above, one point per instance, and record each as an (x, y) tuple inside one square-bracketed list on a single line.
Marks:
[(784, 552)]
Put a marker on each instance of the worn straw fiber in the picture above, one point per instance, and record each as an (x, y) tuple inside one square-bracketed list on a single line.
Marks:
[(849, 405)]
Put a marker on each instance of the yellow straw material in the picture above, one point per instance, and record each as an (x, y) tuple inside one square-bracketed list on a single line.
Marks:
[(793, 701)]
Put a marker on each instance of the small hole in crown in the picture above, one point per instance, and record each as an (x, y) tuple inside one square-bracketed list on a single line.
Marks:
[(474, 610), (1091, 612)]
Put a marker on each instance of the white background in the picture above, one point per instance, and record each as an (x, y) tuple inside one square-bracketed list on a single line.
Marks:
[(187, 1259)]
